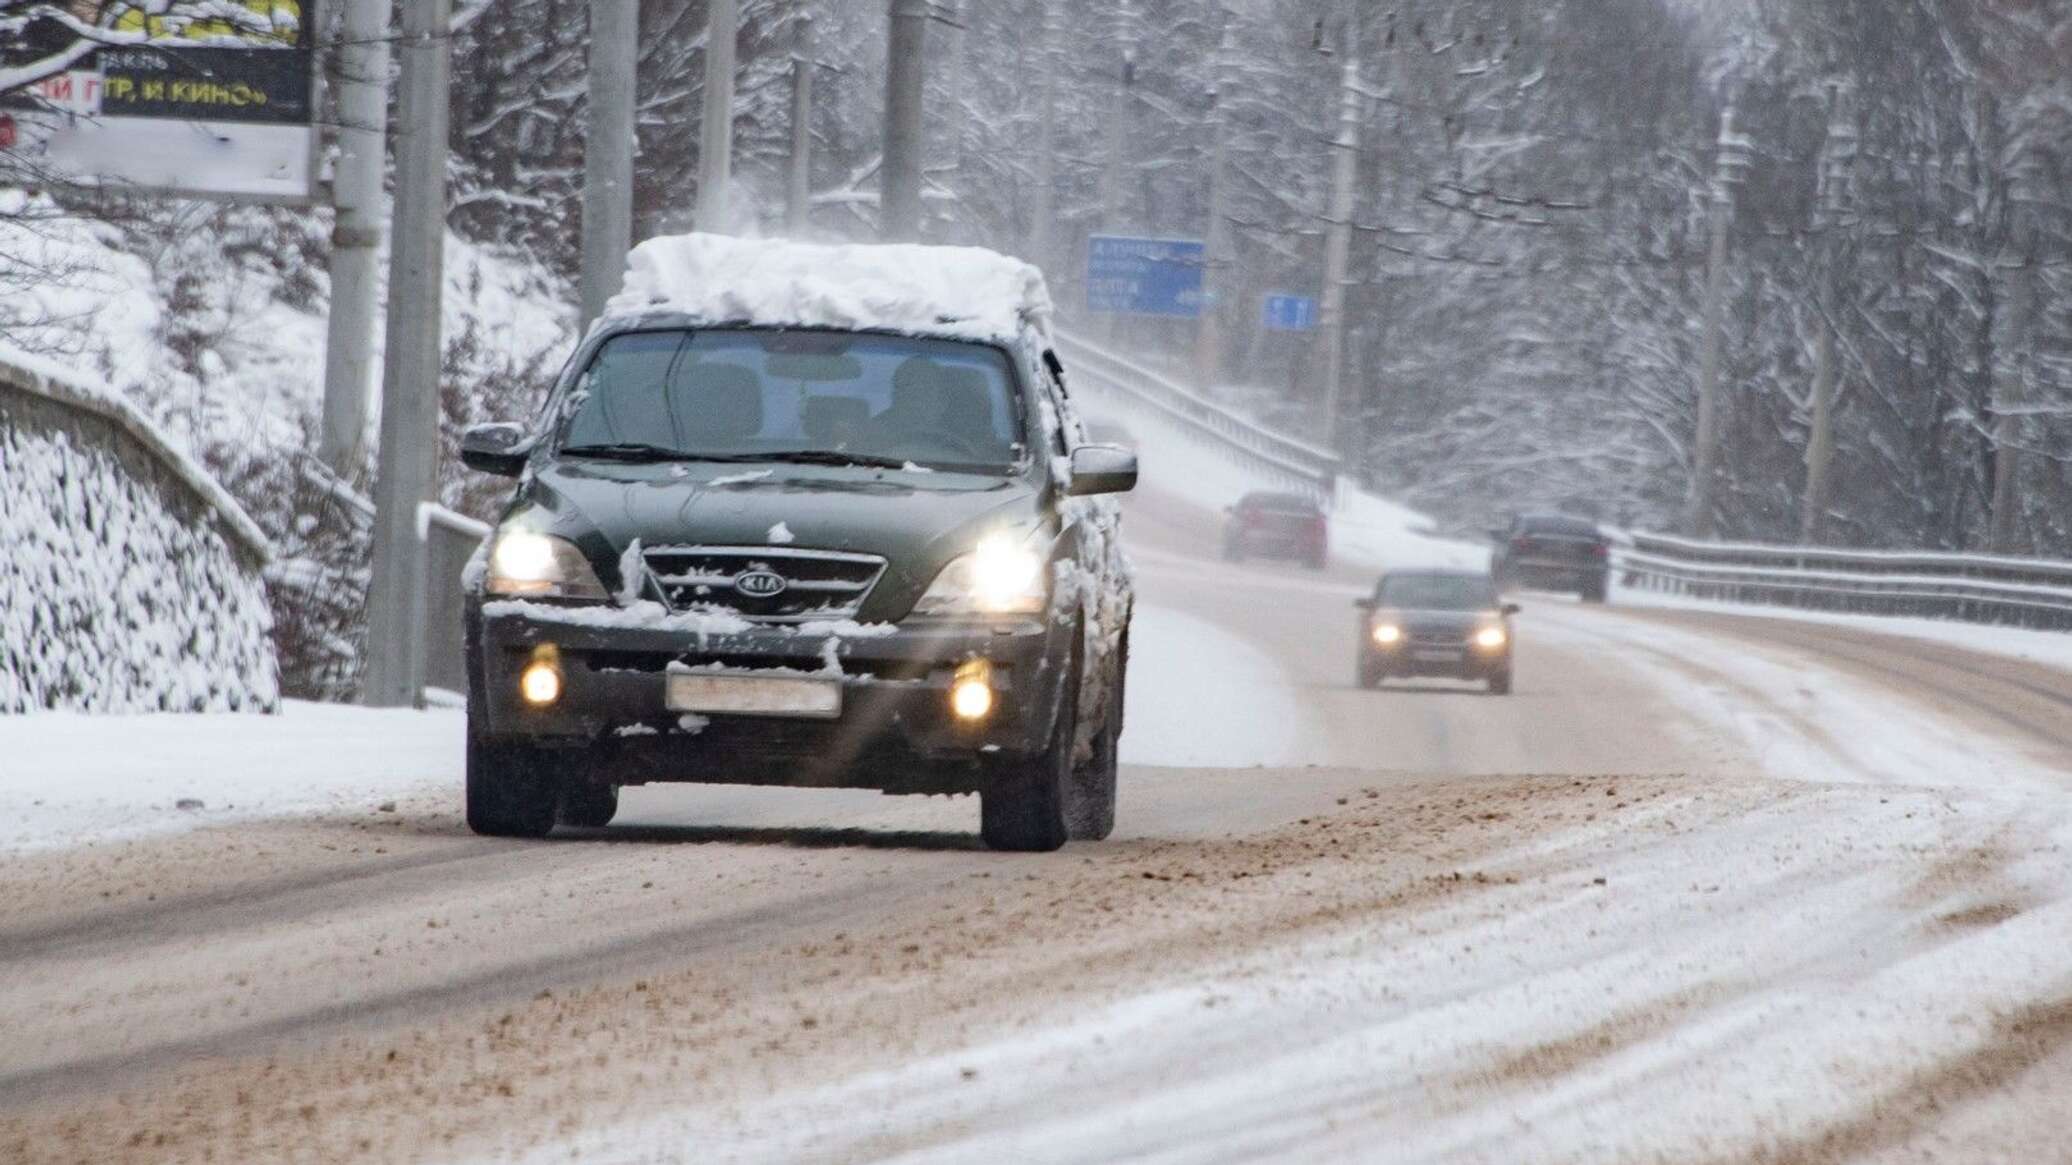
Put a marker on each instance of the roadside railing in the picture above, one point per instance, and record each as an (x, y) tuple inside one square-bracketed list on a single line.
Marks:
[(1971, 588), (1132, 385)]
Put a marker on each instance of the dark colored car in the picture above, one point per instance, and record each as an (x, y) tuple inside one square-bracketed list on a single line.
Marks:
[(1278, 525), (1553, 553), (800, 557), (1449, 624)]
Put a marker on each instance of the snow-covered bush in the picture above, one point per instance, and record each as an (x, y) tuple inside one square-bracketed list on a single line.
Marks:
[(129, 581)]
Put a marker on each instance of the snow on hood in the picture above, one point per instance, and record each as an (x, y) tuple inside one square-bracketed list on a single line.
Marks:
[(964, 293)]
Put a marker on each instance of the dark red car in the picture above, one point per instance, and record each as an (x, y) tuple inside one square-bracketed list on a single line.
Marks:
[(1278, 525)]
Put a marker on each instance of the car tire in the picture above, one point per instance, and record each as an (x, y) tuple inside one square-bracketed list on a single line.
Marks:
[(1369, 674), (512, 791), (1595, 592), (1024, 808), (1090, 812), (588, 804), (1500, 683)]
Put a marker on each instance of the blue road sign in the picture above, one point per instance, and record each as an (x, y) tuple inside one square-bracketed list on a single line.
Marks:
[(1144, 277), (1291, 313)]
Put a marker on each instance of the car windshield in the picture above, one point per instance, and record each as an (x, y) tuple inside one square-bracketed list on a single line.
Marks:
[(1438, 592), (744, 395)]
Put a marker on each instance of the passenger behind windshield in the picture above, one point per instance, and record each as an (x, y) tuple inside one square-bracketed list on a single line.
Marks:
[(743, 395), (1438, 592)]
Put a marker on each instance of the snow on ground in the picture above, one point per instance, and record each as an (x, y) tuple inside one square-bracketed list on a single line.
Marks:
[(1796, 717), (74, 779), (1202, 698), (2049, 648)]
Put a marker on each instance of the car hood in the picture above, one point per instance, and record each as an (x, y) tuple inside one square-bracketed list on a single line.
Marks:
[(1441, 622), (917, 520)]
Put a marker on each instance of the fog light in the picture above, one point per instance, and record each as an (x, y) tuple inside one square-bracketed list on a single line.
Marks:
[(540, 682), (1388, 635), (971, 693)]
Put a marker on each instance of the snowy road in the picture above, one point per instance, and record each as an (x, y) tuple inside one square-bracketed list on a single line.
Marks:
[(1709, 888)]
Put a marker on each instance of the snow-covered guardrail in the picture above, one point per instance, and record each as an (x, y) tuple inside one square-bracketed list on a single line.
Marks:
[(129, 581), (1973, 588), (1132, 385)]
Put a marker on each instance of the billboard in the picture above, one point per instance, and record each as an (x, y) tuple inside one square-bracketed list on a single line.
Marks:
[(211, 98), (1145, 277)]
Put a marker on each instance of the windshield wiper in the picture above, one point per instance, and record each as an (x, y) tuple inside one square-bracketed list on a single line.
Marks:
[(833, 457), (627, 451)]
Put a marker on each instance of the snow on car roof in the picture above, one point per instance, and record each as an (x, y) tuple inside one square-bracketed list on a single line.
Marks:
[(966, 293)]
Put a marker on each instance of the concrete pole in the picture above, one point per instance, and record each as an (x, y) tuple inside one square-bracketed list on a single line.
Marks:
[(1217, 285), (1044, 218), (363, 84), (1700, 503), (408, 473), (1122, 104), (906, 82), (798, 202), (1338, 243), (1831, 216), (716, 145), (608, 153)]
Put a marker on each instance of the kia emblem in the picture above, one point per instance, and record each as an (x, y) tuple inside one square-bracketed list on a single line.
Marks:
[(761, 584)]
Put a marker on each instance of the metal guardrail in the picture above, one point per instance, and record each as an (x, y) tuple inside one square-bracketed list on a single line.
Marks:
[(450, 542), (1278, 456), (1963, 587)]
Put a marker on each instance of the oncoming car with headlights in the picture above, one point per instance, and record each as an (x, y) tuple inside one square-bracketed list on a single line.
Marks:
[(757, 539), (1449, 624)]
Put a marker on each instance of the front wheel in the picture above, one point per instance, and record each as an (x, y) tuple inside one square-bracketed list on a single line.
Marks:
[(589, 805), (1500, 684), (1025, 807), (1370, 674), (512, 791)]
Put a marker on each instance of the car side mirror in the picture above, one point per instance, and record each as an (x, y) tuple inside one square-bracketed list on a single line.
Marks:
[(1367, 605), (1499, 535), (1102, 469), (1512, 608), (499, 449)]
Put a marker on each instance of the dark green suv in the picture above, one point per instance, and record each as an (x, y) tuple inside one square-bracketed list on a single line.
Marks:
[(801, 556)]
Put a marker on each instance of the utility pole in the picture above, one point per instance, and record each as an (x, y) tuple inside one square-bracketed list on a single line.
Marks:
[(798, 202), (1832, 213), (408, 473), (716, 149), (1338, 239), (2031, 189), (608, 153), (906, 81), (1123, 102), (1733, 159), (363, 82), (1208, 344), (1044, 220)]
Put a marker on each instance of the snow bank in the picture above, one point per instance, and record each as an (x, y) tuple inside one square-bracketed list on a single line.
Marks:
[(956, 292), (73, 779), (131, 581)]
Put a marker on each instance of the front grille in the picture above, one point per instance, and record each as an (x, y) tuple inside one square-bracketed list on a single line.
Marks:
[(818, 584), (1439, 640)]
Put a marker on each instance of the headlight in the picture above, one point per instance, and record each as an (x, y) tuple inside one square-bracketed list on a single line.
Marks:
[(526, 563), (1387, 634), (1001, 577), (1491, 638)]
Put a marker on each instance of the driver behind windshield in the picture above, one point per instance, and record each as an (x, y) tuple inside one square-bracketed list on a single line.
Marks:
[(738, 394)]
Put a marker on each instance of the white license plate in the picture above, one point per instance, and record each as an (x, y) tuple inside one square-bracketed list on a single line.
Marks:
[(729, 695), (1439, 657)]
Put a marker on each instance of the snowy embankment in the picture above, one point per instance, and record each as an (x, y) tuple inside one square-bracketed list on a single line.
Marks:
[(76, 780), (130, 580)]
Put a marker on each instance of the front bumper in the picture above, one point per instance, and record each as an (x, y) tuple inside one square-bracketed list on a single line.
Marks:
[(1461, 662), (896, 731)]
